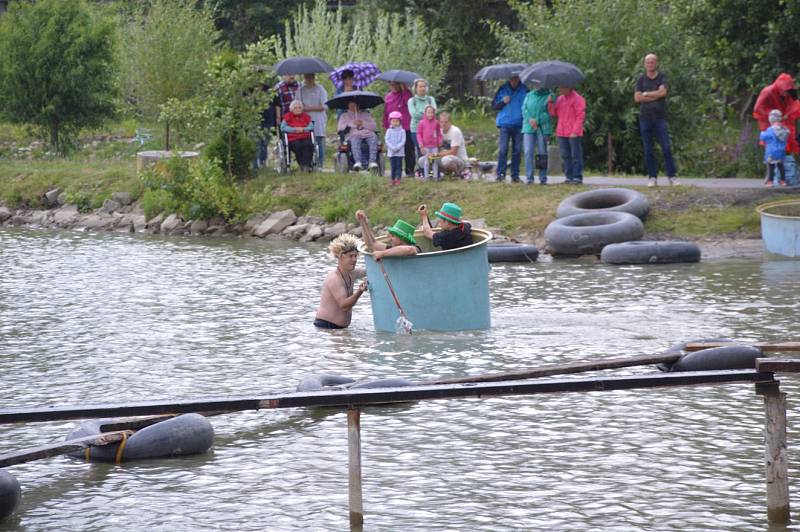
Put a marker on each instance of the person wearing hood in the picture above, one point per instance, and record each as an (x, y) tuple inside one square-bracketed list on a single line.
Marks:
[(778, 96), (508, 103), (536, 130)]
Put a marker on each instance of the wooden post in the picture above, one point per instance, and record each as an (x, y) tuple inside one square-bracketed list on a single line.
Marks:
[(776, 467), (354, 463)]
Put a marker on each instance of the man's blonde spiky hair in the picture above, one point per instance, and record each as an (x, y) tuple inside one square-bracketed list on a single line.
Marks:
[(344, 243)]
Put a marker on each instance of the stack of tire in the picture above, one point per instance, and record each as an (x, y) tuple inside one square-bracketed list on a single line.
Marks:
[(608, 222), (589, 221)]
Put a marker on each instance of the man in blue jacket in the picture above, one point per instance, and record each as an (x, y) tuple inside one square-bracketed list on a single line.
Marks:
[(508, 101)]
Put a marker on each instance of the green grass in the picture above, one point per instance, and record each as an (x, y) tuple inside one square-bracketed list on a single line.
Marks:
[(23, 183)]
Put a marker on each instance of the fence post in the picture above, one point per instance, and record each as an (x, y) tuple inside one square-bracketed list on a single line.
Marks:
[(776, 468), (354, 466)]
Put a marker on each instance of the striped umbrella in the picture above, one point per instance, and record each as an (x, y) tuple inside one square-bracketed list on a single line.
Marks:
[(363, 74)]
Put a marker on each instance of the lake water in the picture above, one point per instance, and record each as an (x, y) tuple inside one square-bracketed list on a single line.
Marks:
[(115, 318)]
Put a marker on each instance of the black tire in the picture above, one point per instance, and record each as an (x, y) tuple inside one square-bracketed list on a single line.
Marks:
[(342, 163), (677, 349), (605, 200), (719, 358), (512, 252), (181, 435), (588, 234), (651, 252), (10, 494), (314, 383)]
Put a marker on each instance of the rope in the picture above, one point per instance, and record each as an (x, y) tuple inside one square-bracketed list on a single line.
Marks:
[(120, 449)]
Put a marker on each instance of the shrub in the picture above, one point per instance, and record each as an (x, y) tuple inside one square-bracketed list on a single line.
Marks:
[(156, 201), (233, 152), (196, 190)]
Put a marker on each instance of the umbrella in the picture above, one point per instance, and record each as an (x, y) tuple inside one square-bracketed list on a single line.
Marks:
[(364, 99), (399, 76), (363, 74), (301, 65), (501, 71), (552, 74)]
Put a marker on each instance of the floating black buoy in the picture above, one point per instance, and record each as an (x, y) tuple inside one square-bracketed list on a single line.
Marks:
[(10, 493)]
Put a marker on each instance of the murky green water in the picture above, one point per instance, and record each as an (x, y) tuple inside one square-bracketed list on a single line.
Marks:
[(116, 317)]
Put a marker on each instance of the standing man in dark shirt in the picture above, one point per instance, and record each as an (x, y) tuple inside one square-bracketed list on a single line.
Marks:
[(455, 233), (651, 94)]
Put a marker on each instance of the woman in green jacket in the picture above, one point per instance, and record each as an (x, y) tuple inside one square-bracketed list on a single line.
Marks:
[(536, 129)]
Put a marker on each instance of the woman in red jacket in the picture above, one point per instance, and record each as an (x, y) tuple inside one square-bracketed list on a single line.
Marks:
[(298, 127)]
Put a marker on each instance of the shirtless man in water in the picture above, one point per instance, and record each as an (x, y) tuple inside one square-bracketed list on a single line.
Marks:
[(338, 297)]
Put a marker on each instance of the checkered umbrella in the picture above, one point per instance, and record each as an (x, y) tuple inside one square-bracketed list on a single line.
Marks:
[(363, 74)]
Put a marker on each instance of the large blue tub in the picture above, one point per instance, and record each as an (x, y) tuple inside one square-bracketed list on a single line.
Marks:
[(780, 227), (439, 290)]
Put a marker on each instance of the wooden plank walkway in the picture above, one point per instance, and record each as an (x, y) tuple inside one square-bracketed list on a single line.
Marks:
[(364, 397)]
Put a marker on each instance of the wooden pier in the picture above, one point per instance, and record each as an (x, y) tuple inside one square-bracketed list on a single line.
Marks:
[(763, 377)]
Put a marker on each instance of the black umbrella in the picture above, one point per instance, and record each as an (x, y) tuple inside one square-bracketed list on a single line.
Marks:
[(501, 71), (552, 74), (364, 99), (301, 65), (399, 76)]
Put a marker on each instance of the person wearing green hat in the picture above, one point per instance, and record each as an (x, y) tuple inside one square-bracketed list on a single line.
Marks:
[(455, 232), (401, 239)]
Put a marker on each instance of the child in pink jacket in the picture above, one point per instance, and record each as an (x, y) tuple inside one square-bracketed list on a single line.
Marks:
[(429, 137)]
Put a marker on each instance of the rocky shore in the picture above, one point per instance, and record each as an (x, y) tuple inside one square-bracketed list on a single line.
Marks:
[(120, 213)]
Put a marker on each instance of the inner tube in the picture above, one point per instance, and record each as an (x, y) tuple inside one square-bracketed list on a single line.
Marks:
[(605, 200), (588, 234), (718, 358), (651, 252), (10, 493), (181, 435), (512, 252), (678, 348), (315, 383), (390, 382)]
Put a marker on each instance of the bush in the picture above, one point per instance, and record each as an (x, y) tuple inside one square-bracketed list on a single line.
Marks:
[(233, 152), (156, 201), (197, 190)]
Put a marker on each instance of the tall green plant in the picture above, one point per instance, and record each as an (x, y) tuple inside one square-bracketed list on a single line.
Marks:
[(587, 33), (57, 68), (167, 47), (390, 40)]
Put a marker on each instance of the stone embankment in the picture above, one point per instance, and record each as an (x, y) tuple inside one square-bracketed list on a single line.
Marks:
[(120, 213)]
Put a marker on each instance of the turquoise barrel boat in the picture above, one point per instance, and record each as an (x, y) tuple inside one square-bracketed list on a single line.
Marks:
[(780, 227), (438, 290)]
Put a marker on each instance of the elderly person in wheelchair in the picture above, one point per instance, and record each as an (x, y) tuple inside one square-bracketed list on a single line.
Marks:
[(299, 128), (357, 126)]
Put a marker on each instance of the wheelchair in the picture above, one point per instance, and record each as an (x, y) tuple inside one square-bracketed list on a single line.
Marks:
[(345, 161), (285, 156)]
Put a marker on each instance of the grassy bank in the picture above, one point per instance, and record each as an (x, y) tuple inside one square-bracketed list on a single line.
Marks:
[(518, 210)]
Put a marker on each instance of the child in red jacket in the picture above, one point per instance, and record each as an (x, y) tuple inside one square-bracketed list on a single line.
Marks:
[(429, 137)]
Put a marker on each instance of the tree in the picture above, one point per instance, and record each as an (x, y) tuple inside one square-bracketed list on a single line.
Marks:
[(743, 45), (57, 68), (247, 21), (608, 41), (167, 47), (228, 104)]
